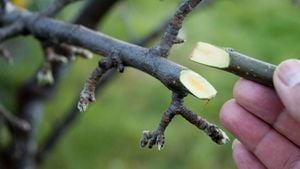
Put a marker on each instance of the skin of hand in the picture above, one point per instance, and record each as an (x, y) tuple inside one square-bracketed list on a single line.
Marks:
[(265, 121)]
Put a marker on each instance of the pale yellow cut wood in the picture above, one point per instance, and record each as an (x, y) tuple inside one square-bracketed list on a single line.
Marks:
[(197, 85), (210, 55)]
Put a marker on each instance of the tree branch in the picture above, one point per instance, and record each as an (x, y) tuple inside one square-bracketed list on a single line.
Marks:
[(140, 58), (13, 121), (92, 7), (5, 54), (156, 32), (170, 36), (87, 95), (30, 99), (63, 124), (100, 9), (12, 30), (56, 7), (156, 137), (153, 63), (69, 118)]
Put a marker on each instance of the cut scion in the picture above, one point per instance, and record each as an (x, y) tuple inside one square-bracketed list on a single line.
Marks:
[(210, 55), (197, 85)]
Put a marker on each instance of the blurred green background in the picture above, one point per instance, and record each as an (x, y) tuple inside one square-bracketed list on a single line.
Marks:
[(107, 135)]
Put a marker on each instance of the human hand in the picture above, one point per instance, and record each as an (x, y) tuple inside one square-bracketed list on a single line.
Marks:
[(266, 122)]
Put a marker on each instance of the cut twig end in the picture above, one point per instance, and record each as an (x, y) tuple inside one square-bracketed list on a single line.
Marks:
[(86, 97), (217, 135), (197, 85), (152, 138), (210, 55)]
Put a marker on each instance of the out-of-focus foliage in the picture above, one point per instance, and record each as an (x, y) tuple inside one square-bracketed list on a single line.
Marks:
[(107, 135), (20, 3)]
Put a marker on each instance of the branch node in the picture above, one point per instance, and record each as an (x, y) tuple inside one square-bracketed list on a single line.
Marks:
[(178, 41), (118, 64)]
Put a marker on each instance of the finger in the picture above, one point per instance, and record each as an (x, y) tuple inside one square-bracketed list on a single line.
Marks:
[(243, 158), (287, 84), (264, 103), (261, 100), (271, 148)]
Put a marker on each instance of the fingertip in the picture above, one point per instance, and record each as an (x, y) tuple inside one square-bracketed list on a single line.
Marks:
[(236, 144), (225, 115), (288, 73), (287, 85), (244, 158)]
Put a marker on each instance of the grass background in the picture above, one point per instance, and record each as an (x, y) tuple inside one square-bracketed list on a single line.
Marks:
[(107, 135)]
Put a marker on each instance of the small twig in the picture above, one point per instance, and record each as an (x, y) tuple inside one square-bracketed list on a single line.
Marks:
[(13, 121), (60, 53), (87, 95), (64, 123), (170, 36), (4, 53), (215, 133), (12, 30), (99, 9), (153, 34), (156, 137), (56, 7), (72, 51)]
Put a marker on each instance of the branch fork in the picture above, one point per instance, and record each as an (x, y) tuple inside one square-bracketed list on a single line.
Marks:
[(156, 137)]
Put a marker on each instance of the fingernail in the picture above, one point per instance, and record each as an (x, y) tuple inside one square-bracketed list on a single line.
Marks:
[(235, 143), (289, 72)]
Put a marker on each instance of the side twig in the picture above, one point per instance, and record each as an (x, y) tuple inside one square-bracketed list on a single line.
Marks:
[(12, 30), (13, 121), (156, 137), (170, 36), (56, 7), (5, 54), (87, 95)]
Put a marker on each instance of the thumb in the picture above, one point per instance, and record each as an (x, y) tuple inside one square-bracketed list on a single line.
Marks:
[(287, 85)]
